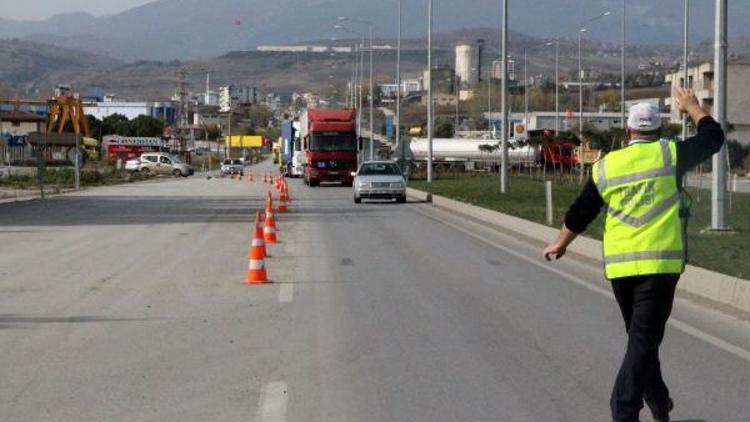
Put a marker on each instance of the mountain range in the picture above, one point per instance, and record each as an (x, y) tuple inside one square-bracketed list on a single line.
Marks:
[(189, 29)]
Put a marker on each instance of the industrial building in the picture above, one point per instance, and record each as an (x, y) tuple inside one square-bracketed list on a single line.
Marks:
[(231, 96), (701, 81), (20, 123), (110, 106), (408, 86), (568, 120), (497, 70)]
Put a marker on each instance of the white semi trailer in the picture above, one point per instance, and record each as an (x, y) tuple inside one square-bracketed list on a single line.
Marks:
[(468, 154)]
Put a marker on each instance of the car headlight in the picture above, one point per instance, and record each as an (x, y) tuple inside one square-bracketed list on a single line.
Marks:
[(364, 185)]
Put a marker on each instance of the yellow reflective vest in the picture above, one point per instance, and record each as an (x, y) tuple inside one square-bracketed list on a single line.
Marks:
[(643, 232)]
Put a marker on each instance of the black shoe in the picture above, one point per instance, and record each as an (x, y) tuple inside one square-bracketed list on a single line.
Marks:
[(661, 414)]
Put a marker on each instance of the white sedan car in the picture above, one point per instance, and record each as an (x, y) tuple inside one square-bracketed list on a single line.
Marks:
[(379, 180)]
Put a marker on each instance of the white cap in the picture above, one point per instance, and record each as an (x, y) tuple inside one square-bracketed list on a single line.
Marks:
[(644, 117)]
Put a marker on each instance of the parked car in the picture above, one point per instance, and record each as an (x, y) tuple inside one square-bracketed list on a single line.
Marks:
[(231, 167), (379, 180), (160, 163), (134, 164)]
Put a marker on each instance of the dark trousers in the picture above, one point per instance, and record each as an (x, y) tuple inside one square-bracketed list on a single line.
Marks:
[(646, 303)]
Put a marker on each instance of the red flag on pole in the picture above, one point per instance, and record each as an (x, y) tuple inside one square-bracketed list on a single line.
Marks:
[(237, 22)]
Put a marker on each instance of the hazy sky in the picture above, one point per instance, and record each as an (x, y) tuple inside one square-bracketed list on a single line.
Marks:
[(42, 9)]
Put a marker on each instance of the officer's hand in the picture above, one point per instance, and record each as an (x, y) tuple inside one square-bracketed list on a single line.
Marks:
[(554, 249), (684, 99)]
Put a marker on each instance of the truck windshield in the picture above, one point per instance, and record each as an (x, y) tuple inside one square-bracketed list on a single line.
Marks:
[(330, 142)]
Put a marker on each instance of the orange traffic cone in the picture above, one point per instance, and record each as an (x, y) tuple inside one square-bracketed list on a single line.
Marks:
[(258, 249), (286, 193), (283, 207), (256, 272), (269, 230), (269, 202)]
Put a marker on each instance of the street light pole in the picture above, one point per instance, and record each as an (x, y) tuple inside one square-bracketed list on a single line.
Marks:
[(398, 90), (429, 92), (504, 102), (525, 88), (372, 103), (580, 83), (557, 87), (372, 88), (718, 185), (685, 63), (622, 64)]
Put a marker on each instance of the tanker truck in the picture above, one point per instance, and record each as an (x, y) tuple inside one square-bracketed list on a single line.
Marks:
[(454, 154)]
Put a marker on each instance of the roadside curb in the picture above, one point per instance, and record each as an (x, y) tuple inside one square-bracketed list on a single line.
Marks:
[(715, 287)]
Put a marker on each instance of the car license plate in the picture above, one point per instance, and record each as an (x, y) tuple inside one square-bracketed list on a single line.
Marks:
[(333, 173), (380, 192)]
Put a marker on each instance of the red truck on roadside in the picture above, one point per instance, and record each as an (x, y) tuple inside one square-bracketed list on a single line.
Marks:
[(330, 145)]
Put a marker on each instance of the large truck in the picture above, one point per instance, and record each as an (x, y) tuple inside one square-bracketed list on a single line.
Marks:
[(286, 147), (455, 154), (330, 144)]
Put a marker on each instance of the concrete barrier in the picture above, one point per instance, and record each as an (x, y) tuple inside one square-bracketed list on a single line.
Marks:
[(716, 287)]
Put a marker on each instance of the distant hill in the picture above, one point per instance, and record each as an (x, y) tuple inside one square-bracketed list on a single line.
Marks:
[(29, 66), (190, 29)]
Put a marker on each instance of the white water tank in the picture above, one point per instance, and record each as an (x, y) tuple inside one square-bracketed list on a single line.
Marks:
[(467, 62)]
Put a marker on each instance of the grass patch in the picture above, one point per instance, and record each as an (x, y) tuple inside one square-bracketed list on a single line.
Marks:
[(64, 178), (725, 253)]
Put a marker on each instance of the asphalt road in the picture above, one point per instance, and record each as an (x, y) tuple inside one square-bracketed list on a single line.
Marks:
[(127, 304)]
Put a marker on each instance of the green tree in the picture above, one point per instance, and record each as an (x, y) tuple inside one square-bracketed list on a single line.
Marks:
[(444, 128), (116, 124), (146, 126)]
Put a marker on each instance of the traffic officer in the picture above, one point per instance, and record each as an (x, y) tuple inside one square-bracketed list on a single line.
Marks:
[(645, 249)]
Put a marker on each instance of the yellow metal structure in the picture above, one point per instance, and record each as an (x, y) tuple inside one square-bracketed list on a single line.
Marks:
[(242, 141), (62, 110)]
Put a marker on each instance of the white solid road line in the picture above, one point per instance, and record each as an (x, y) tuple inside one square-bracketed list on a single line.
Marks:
[(682, 326), (286, 293), (273, 402)]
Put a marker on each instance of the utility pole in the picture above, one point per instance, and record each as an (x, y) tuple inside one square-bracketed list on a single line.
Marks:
[(504, 102), (429, 92), (719, 182)]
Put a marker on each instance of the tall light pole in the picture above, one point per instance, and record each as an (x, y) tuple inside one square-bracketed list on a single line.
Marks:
[(429, 92), (557, 84), (398, 90), (361, 73), (372, 87), (580, 82), (719, 183), (581, 31), (525, 88), (685, 63), (622, 63), (504, 101)]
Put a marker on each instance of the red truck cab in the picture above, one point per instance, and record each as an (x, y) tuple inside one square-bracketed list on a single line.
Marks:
[(330, 144)]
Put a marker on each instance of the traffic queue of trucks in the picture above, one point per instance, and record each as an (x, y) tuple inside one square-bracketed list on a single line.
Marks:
[(323, 147)]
